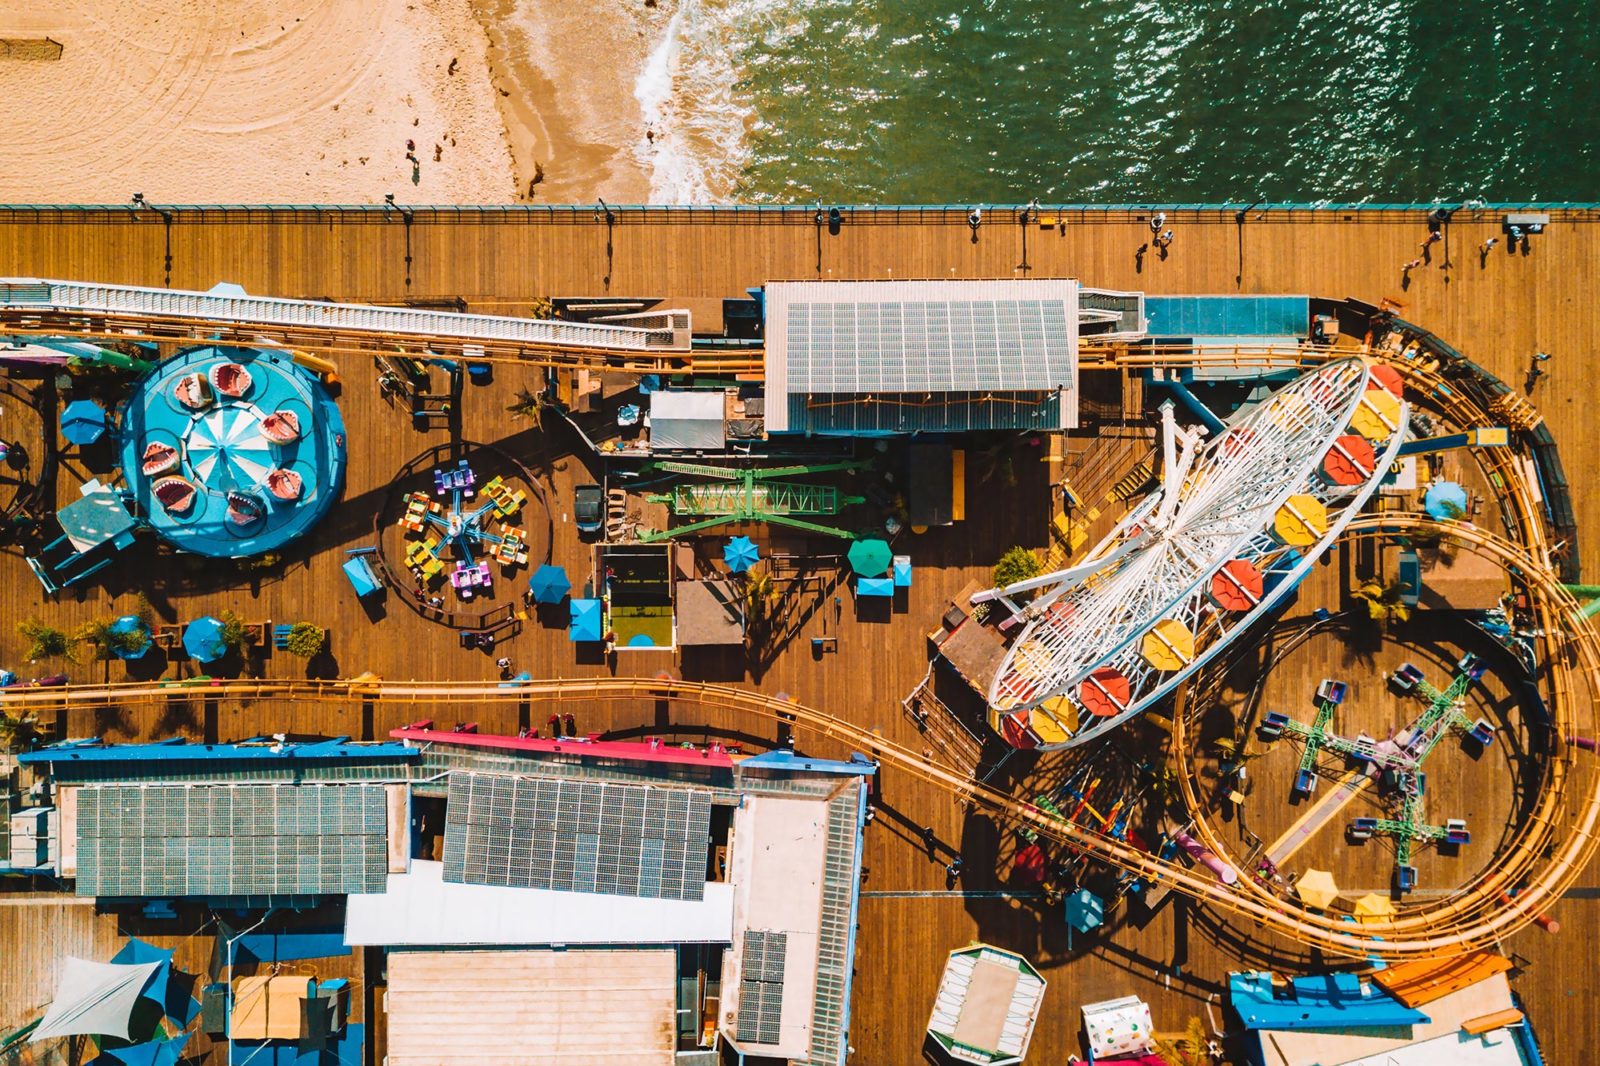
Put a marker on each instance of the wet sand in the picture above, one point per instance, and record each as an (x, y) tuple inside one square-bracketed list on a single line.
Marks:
[(564, 77)]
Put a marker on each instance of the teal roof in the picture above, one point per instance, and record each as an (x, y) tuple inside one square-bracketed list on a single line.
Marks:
[(1322, 1001)]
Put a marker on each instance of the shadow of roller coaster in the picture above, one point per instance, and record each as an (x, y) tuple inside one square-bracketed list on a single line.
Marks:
[(1476, 916)]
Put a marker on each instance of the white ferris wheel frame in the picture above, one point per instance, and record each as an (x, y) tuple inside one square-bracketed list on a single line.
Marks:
[(1130, 582)]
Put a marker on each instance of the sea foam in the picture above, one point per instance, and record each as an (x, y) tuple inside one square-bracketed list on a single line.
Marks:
[(689, 94)]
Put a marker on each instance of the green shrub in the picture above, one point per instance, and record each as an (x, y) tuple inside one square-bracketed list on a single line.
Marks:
[(44, 642), (232, 629), (305, 639), (96, 633), (1017, 564)]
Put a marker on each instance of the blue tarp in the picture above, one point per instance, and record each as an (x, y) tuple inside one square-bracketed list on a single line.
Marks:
[(287, 947), (549, 584), (586, 621), (202, 639), (150, 1053), (359, 571), (170, 988), (1326, 1001), (874, 586), (136, 951), (1085, 910)]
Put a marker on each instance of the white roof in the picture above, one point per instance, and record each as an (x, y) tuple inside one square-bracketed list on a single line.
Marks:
[(95, 999), (421, 908), (687, 419), (1497, 1047), (862, 338)]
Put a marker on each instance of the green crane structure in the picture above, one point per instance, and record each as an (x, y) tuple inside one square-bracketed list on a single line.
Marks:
[(720, 496)]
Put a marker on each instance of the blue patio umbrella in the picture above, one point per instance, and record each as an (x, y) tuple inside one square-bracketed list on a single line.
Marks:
[(549, 584), (740, 553), (83, 422), (202, 639), (127, 625), (1445, 500), (1085, 910), (587, 621), (870, 557)]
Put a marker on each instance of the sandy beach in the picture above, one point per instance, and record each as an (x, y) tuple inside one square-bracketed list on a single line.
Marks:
[(315, 101)]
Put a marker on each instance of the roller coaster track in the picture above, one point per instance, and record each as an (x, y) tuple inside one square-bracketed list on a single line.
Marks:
[(1473, 918), (1560, 835)]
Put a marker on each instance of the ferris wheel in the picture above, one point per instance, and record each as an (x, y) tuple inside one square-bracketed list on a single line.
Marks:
[(1235, 524)]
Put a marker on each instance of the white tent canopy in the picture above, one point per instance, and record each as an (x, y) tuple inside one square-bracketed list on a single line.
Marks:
[(681, 420), (96, 999)]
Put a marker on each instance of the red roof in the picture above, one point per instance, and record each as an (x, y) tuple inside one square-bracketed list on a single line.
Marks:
[(648, 751)]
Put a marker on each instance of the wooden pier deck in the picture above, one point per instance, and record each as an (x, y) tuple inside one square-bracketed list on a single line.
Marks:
[(1498, 312)]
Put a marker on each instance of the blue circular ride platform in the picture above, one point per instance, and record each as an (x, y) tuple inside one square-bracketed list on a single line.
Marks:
[(232, 452)]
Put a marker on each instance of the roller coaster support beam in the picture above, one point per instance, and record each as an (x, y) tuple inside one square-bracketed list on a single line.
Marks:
[(1482, 437), (1191, 402)]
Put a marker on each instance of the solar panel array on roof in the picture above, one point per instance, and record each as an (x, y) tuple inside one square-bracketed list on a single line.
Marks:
[(929, 345), (761, 986), (576, 836), (218, 840)]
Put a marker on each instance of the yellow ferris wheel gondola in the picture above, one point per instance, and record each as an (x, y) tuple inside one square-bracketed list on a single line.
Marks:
[(1377, 416), (1169, 645), (1301, 520)]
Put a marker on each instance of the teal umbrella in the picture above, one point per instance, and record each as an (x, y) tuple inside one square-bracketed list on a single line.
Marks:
[(1445, 500), (740, 553), (202, 639), (549, 584), (870, 557), (83, 422), (127, 625)]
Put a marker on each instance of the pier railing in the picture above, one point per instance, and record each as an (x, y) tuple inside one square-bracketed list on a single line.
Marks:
[(1043, 215)]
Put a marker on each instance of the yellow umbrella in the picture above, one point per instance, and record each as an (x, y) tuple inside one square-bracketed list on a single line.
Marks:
[(1373, 907), (1301, 521), (1168, 645), (1316, 889), (1377, 415)]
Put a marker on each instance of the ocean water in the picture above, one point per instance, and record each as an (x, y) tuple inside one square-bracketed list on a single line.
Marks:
[(936, 101)]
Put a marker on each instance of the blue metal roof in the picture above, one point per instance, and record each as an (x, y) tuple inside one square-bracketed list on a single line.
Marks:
[(178, 750), (1228, 316), (1323, 1001), (788, 762)]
